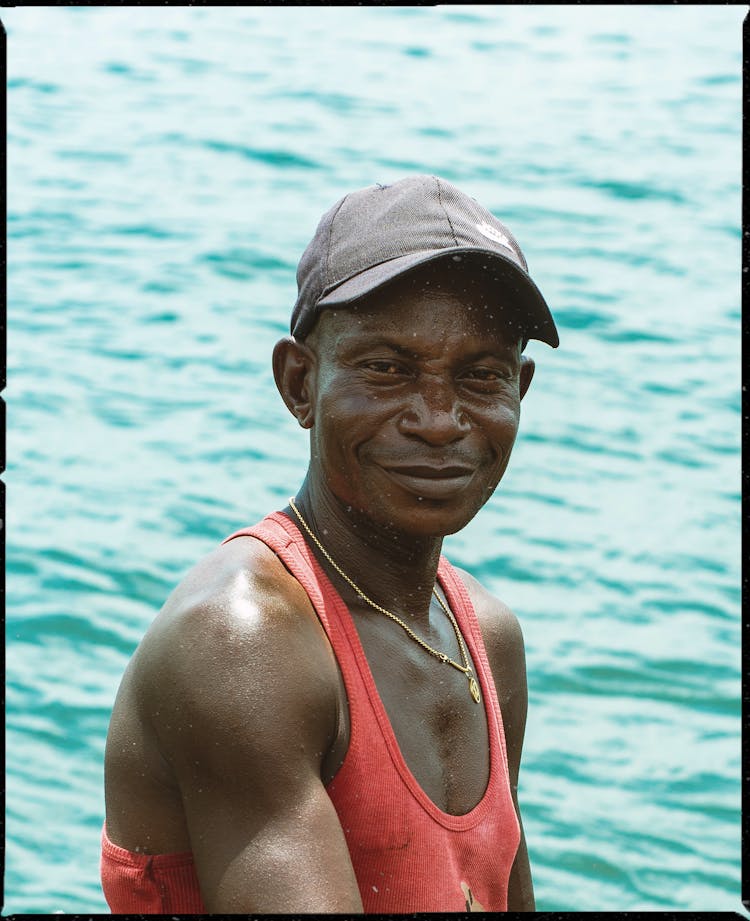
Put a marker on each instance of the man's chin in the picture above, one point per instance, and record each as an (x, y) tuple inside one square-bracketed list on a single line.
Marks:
[(423, 517)]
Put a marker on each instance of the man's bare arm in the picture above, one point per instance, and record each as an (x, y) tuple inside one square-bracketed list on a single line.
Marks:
[(520, 885), (242, 697), (505, 650)]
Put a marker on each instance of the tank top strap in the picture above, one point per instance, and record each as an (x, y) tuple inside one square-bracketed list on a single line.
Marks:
[(270, 530), (463, 610)]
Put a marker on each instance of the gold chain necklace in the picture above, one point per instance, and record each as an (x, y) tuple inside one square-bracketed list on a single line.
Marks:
[(465, 668)]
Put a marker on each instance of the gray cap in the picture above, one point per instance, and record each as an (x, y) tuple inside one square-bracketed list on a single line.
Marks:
[(373, 235)]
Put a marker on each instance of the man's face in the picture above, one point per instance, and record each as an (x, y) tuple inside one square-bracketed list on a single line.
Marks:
[(415, 403)]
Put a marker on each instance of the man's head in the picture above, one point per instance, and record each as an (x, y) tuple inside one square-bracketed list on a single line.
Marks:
[(411, 388)]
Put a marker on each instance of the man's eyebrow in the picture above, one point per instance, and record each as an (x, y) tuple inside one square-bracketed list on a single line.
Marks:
[(377, 342), (509, 350)]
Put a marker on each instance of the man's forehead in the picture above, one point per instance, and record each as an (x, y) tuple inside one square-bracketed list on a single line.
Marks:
[(405, 321)]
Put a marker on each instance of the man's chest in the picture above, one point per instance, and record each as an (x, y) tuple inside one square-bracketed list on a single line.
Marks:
[(439, 729)]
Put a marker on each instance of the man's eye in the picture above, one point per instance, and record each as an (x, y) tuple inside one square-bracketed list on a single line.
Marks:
[(384, 367), (484, 374)]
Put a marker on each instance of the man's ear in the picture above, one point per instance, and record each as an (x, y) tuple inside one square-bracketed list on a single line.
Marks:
[(293, 364), (527, 372)]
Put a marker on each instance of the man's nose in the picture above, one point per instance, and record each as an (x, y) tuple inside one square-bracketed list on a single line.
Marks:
[(435, 415)]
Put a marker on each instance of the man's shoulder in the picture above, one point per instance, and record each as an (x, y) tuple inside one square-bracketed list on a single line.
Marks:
[(497, 621), (241, 583), (239, 628), (235, 593)]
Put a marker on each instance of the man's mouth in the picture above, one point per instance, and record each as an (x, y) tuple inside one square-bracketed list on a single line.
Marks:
[(431, 481)]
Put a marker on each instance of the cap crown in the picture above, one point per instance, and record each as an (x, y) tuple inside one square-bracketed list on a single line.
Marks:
[(374, 235), (378, 223)]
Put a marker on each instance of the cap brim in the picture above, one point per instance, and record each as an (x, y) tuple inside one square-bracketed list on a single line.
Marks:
[(533, 312)]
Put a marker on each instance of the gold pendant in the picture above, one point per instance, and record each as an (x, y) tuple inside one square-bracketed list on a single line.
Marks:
[(474, 688)]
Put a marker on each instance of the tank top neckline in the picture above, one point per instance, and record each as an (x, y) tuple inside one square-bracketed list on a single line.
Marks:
[(462, 609)]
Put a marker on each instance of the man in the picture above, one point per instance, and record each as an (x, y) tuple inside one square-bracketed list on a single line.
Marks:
[(326, 716)]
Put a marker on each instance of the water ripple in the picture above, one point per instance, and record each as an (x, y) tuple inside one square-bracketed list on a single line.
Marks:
[(169, 169)]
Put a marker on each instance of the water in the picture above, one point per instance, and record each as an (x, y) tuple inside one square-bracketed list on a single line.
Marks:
[(168, 165)]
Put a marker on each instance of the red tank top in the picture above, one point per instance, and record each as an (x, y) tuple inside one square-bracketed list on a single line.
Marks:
[(407, 854)]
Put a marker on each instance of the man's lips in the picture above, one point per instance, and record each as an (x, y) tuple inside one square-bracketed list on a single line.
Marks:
[(431, 481), (431, 471)]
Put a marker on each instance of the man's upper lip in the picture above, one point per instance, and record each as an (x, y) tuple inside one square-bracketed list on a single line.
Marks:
[(431, 471)]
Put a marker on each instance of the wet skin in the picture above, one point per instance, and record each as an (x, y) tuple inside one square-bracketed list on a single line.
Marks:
[(412, 402)]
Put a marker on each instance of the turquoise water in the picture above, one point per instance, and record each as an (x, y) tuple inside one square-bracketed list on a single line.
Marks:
[(166, 168)]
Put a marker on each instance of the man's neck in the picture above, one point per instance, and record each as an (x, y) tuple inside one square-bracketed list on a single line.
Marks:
[(395, 570)]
